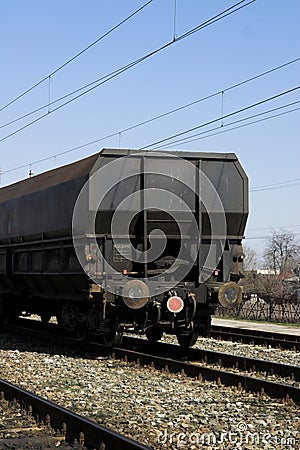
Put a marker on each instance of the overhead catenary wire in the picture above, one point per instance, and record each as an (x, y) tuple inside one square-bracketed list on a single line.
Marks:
[(212, 131), (48, 158), (48, 77), (218, 119), (282, 183), (273, 228), (222, 130), (160, 116), (270, 229), (95, 84), (264, 237), (111, 75), (288, 183), (187, 105), (114, 134)]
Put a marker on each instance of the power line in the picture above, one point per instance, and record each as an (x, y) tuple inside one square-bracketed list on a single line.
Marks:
[(91, 86), (164, 115), (186, 140), (271, 228), (126, 67), (241, 83), (211, 132), (271, 186), (114, 134), (220, 118), (263, 237), (169, 113), (278, 187), (267, 72), (76, 56)]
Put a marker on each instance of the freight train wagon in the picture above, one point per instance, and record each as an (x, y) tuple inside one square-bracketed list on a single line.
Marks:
[(124, 241)]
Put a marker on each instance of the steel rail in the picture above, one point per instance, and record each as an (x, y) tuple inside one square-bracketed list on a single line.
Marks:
[(258, 337), (194, 354), (95, 435), (218, 376)]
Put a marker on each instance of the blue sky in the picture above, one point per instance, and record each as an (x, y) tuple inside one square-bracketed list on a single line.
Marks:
[(37, 37)]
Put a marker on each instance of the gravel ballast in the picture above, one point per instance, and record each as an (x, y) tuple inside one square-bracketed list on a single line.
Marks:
[(159, 409)]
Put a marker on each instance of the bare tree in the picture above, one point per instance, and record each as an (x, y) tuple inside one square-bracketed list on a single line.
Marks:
[(251, 264), (251, 260), (282, 252), (281, 257)]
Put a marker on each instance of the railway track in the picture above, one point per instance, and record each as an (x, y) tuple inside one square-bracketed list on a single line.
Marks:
[(225, 360), (216, 375), (78, 432), (257, 337), (143, 353)]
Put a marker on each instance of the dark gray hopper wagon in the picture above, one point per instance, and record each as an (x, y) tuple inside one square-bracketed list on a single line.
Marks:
[(40, 271)]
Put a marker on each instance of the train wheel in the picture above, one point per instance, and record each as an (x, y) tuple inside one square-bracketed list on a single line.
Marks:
[(111, 339), (188, 340), (154, 334)]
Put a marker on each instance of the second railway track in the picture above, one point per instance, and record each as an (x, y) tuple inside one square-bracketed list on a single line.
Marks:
[(196, 363), (242, 363), (257, 337)]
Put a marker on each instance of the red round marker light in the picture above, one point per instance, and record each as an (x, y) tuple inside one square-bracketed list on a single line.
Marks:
[(175, 304)]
